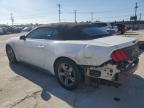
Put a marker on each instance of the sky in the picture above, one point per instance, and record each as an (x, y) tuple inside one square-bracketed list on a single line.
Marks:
[(46, 11)]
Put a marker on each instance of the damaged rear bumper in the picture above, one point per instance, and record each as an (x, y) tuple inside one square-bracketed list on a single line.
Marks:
[(112, 71), (126, 74)]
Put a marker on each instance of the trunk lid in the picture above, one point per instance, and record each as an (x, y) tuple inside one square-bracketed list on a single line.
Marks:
[(117, 41)]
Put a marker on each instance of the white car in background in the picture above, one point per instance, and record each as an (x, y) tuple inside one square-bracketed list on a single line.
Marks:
[(107, 27), (1, 30), (71, 51)]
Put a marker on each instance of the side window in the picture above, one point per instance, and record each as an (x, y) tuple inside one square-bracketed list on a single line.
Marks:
[(100, 24), (56, 35), (41, 33)]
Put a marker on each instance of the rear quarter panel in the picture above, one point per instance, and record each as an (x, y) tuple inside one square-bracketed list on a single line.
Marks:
[(56, 50), (82, 54)]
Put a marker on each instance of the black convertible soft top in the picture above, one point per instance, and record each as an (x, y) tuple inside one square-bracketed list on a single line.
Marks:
[(69, 25), (72, 31), (68, 30)]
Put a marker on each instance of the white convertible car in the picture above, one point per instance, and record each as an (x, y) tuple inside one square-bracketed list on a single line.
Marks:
[(72, 51)]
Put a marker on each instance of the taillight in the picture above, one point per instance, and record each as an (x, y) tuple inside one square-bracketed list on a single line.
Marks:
[(119, 55)]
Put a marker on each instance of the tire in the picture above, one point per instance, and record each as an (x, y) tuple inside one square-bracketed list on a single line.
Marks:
[(67, 73), (11, 55)]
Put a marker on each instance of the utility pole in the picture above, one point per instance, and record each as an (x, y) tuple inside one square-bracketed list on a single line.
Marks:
[(140, 20), (136, 7), (59, 12), (75, 16), (92, 16), (12, 18), (140, 17)]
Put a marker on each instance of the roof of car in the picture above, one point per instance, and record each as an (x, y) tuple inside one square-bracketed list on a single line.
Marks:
[(57, 25), (70, 25)]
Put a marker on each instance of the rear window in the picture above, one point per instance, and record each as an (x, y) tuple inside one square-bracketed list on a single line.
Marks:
[(94, 31), (100, 24), (84, 33)]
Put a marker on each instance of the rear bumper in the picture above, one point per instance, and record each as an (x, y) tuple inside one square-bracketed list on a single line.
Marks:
[(124, 75), (111, 71)]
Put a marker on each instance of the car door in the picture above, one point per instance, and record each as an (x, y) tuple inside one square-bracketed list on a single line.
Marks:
[(32, 49)]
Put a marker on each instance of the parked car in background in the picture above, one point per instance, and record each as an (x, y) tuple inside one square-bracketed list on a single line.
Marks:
[(107, 27), (17, 29), (27, 29), (1, 30), (121, 28), (10, 29), (71, 51)]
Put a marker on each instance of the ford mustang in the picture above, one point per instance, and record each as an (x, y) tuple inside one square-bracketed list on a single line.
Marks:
[(72, 51)]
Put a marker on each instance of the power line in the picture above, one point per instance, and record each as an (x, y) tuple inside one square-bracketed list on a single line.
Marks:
[(101, 12), (89, 13), (105, 11)]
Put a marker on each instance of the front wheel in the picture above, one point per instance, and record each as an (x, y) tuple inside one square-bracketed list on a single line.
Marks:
[(11, 55), (67, 73)]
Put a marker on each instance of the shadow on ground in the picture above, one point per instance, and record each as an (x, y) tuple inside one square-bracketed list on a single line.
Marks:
[(131, 94)]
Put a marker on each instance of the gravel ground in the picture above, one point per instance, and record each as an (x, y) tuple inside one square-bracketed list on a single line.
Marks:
[(136, 34), (23, 86)]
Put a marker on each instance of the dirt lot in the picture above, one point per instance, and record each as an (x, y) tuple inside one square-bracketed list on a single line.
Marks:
[(22, 86)]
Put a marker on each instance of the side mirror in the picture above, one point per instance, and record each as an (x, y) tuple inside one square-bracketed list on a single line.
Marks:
[(22, 37)]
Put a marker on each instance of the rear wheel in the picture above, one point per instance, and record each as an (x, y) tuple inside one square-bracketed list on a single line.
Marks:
[(67, 73), (11, 54)]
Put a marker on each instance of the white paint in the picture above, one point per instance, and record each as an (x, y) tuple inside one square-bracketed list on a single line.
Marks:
[(43, 53)]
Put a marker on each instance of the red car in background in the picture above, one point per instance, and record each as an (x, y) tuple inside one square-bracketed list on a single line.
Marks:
[(121, 28)]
